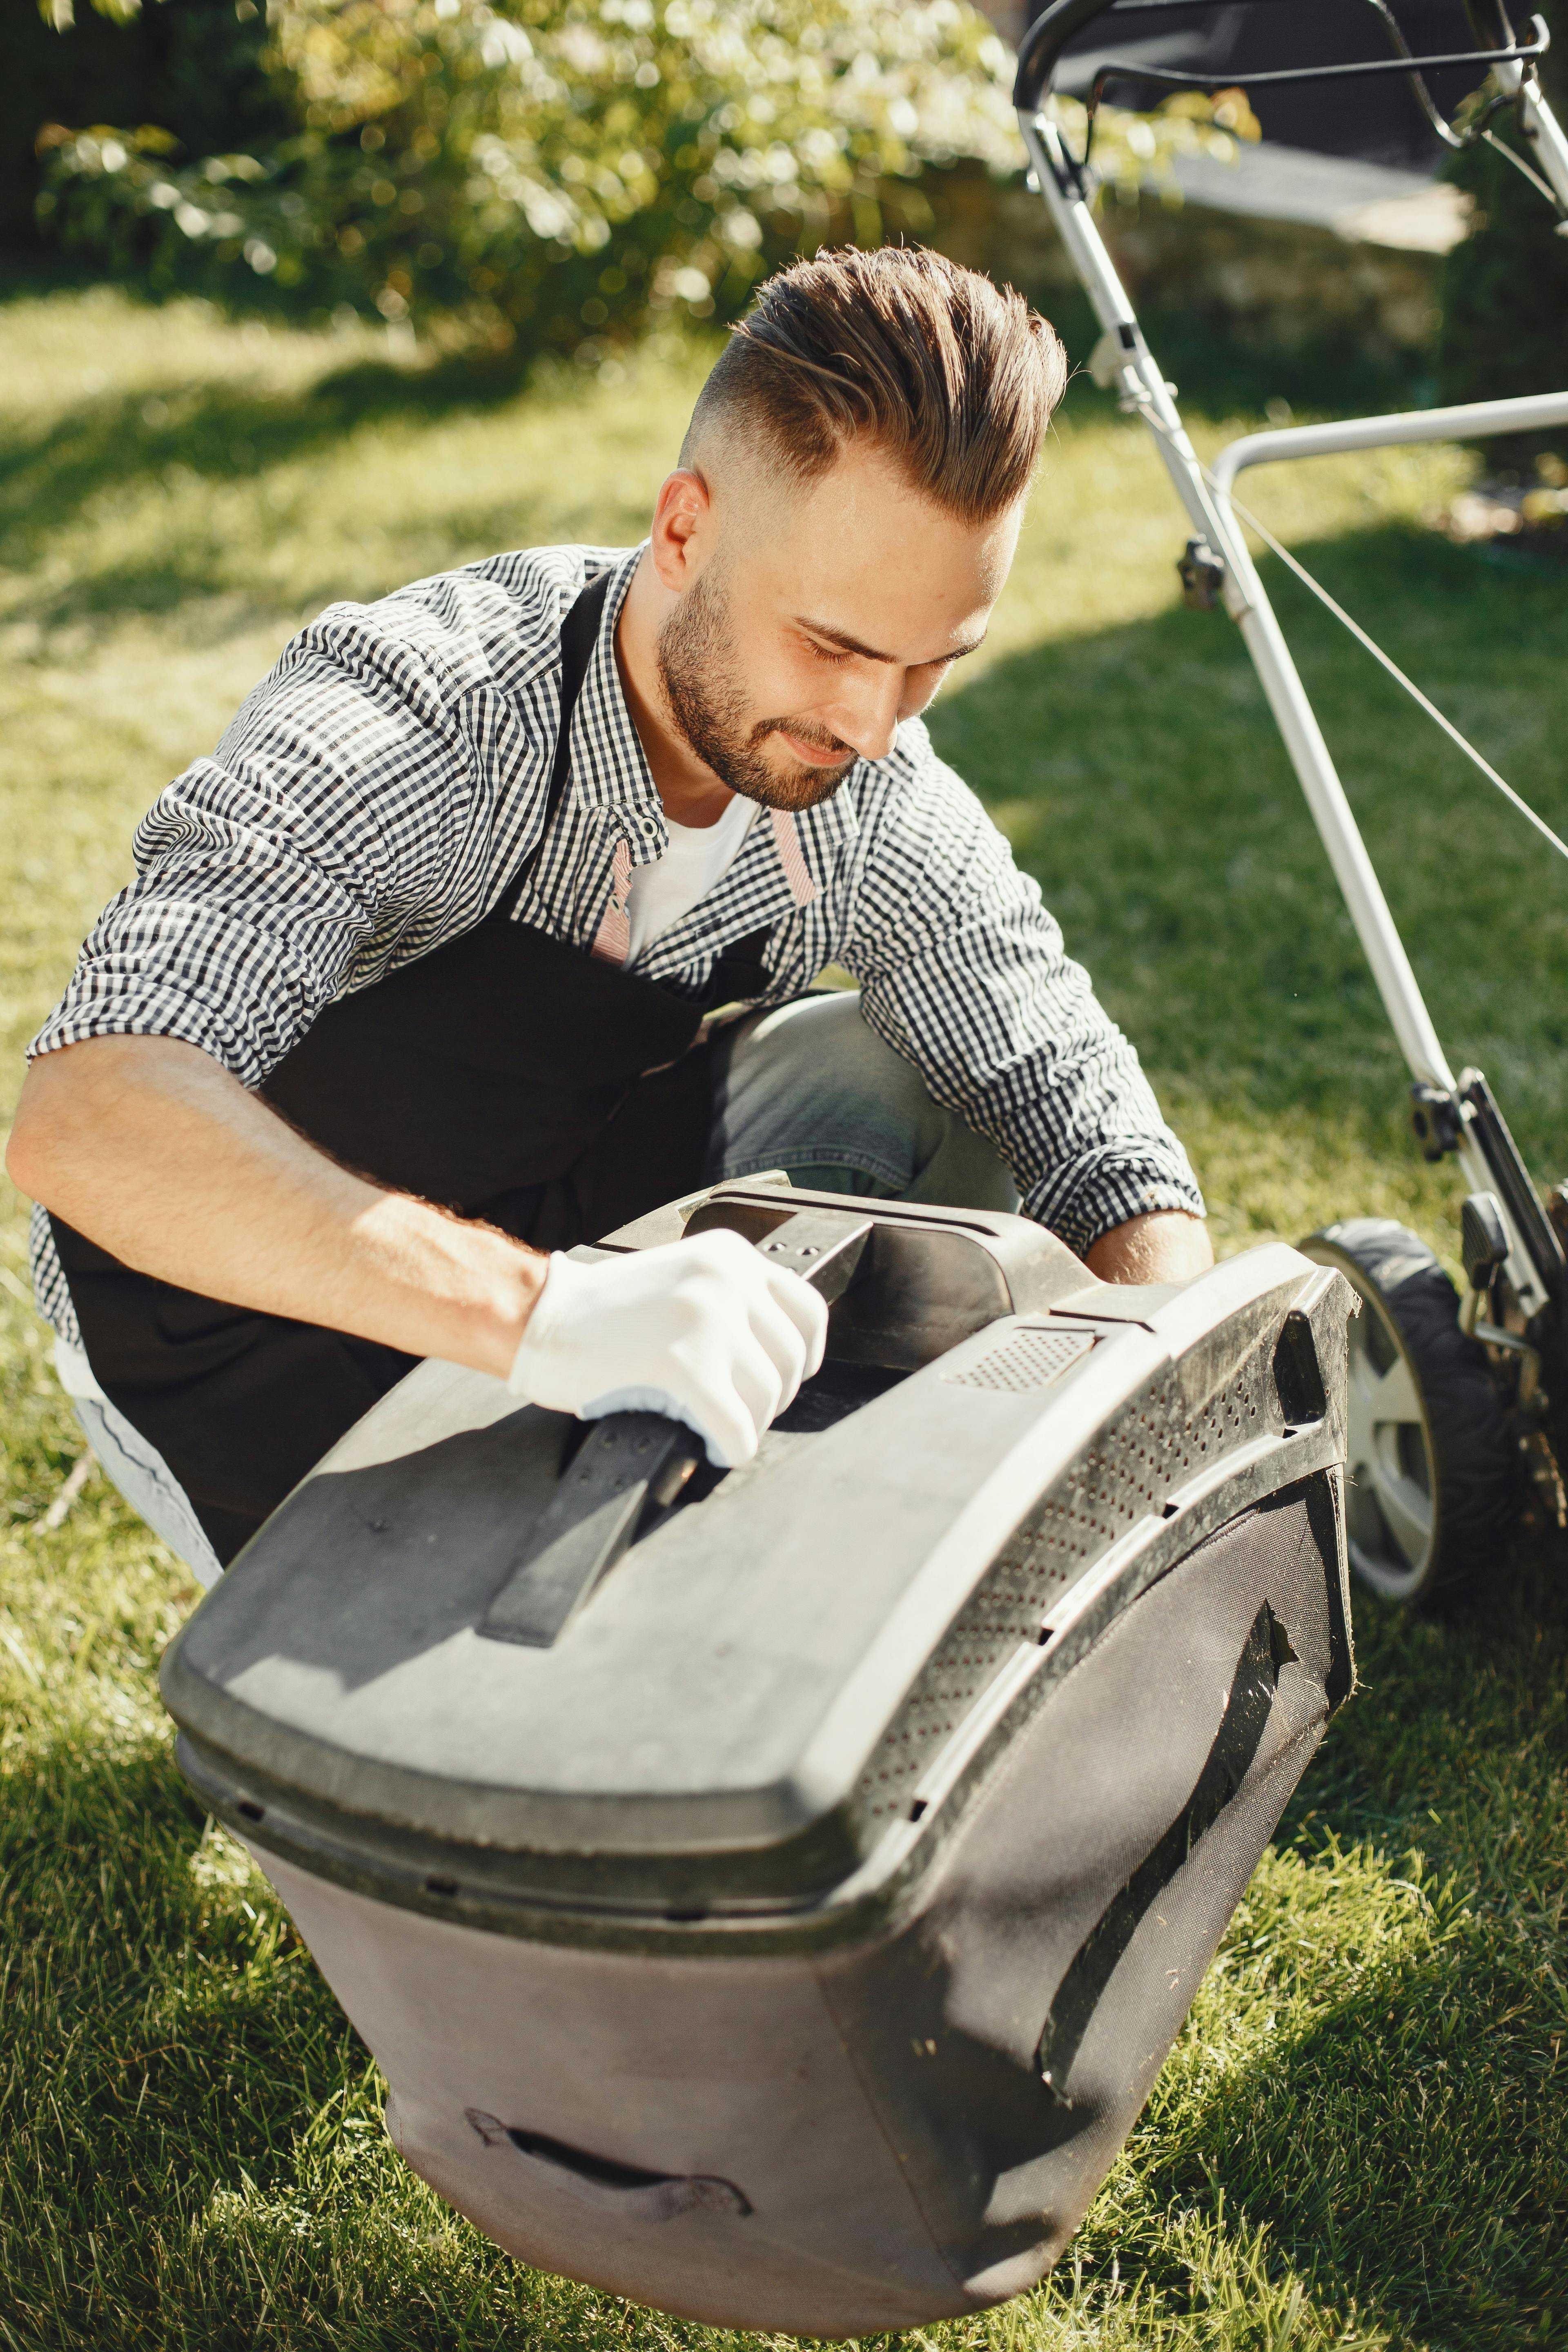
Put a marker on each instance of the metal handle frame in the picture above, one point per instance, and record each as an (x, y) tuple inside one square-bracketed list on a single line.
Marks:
[(1176, 78), (1206, 496), (1046, 38), (1512, 61)]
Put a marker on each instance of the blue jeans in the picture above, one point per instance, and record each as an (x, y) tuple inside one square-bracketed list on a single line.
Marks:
[(809, 1088)]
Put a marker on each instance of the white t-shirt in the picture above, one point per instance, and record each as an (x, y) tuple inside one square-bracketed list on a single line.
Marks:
[(697, 857)]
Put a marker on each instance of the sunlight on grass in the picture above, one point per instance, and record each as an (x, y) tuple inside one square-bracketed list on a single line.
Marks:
[(1362, 2138)]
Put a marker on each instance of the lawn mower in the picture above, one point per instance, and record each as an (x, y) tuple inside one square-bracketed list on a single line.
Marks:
[(771, 1895), (1454, 1408)]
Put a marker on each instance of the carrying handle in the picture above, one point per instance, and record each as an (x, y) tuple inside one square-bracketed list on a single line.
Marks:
[(1266, 1653), (631, 1463), (626, 2191)]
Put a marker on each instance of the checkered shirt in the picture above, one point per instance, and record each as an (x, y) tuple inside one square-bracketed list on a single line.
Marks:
[(376, 791)]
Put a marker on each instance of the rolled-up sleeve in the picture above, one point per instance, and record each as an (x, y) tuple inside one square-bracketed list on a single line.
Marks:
[(964, 973), (277, 872)]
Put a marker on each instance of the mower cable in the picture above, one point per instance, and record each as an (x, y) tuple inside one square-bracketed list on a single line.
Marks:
[(1533, 176), (1373, 648), (1411, 688)]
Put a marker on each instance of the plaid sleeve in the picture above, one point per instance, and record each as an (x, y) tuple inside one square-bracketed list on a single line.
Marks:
[(964, 972), (282, 869)]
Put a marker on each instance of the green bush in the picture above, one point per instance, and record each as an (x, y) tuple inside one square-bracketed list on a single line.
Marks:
[(565, 172), (1505, 295), (193, 67)]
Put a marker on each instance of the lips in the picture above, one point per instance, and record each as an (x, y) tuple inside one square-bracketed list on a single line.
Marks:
[(812, 755)]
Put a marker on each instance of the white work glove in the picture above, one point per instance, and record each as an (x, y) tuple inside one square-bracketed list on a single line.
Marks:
[(703, 1329)]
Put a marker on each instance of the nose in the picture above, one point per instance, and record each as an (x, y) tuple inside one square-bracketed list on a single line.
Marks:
[(866, 713)]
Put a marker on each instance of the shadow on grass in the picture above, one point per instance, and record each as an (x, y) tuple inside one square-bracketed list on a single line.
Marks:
[(1440, 2074), (221, 432), (1402, 2153), (163, 2040), (1141, 779), (194, 575), (145, 1965), (192, 2156), (1461, 1710), (1222, 375)]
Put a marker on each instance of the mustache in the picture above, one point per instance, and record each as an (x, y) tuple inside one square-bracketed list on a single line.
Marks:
[(804, 731)]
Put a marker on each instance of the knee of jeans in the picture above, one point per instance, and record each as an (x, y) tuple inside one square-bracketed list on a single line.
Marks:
[(864, 1073), (810, 1084)]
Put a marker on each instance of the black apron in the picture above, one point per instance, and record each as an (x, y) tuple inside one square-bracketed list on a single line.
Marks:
[(506, 1076)]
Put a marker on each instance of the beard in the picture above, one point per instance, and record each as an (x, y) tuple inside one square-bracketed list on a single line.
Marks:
[(699, 673)]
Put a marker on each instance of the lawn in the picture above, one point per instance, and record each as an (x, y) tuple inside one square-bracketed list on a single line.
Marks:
[(1362, 2138)]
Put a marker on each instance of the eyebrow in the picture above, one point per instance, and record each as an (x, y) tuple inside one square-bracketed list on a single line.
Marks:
[(850, 645)]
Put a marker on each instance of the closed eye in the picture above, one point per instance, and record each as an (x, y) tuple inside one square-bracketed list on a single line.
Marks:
[(834, 657), (835, 652)]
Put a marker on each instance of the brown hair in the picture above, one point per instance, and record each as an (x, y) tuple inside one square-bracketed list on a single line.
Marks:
[(954, 378)]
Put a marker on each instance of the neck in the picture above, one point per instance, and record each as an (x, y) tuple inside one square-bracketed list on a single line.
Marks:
[(689, 790)]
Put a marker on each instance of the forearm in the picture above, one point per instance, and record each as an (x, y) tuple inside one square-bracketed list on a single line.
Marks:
[(149, 1148)]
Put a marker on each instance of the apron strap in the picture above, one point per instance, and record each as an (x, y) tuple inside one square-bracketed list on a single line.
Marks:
[(579, 637)]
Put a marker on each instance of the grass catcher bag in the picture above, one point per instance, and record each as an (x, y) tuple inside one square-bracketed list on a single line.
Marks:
[(772, 1896)]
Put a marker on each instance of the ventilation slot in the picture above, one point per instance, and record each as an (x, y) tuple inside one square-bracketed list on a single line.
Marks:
[(1298, 1375), (1028, 1359), (1162, 1437)]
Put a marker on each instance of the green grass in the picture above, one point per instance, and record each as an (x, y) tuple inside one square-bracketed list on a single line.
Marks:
[(1362, 2138)]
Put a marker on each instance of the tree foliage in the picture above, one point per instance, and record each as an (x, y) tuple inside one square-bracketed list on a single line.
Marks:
[(566, 170), (1505, 295)]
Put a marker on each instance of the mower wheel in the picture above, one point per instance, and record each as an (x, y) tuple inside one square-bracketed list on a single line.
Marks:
[(1431, 1474)]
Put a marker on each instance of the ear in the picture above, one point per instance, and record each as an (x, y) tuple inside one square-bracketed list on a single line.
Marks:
[(682, 529)]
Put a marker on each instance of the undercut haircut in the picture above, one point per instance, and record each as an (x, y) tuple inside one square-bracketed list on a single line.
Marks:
[(953, 377)]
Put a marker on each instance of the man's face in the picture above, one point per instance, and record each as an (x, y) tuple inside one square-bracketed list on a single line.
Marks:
[(815, 617)]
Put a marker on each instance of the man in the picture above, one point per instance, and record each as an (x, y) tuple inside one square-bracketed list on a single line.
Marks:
[(408, 996)]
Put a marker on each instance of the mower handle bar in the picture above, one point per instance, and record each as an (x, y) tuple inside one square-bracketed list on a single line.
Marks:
[(1040, 51)]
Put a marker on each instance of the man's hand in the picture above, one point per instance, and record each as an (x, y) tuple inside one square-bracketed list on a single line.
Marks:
[(152, 1151), (151, 1148), (705, 1330), (1167, 1245)]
